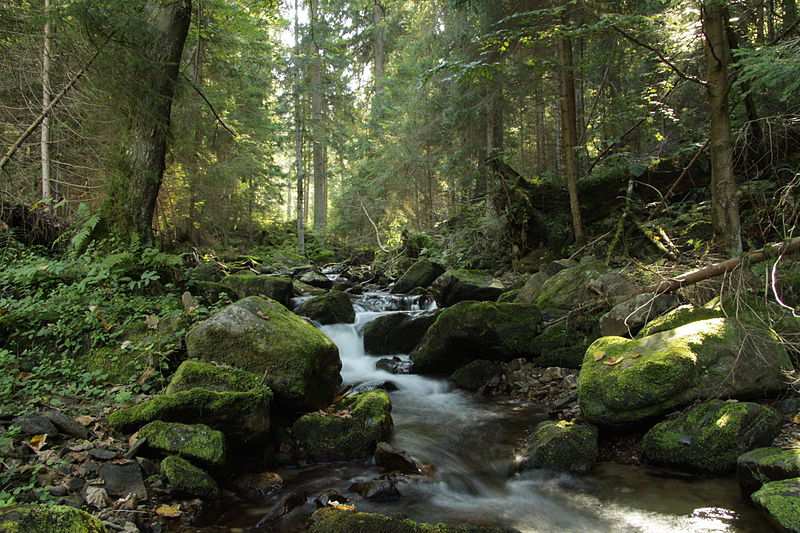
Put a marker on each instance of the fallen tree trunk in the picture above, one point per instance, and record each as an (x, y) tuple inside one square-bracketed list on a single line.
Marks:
[(772, 250)]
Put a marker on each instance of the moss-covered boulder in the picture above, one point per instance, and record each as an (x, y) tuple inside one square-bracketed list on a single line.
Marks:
[(278, 288), (762, 465), (624, 380), (564, 343), (242, 416), (475, 375), (396, 333), (420, 274), (680, 316), (317, 279), (194, 374), (334, 307), (780, 500), (460, 285), (185, 478), (711, 436), (298, 362), (48, 519), (530, 291), (469, 331), (562, 446), (196, 442), (336, 521), (304, 289), (568, 288), (350, 430)]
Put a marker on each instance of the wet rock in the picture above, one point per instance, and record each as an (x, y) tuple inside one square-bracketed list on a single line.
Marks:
[(367, 386), (394, 365), (477, 330), (277, 288), (66, 425), (258, 486), (334, 307), (530, 291), (330, 498), (316, 279), (103, 454), (562, 446), (456, 286), (476, 374), (711, 436), (779, 500), (336, 521), (380, 490), (299, 363), (48, 519), (396, 333), (303, 289), (196, 442), (420, 274), (628, 317), (185, 478), (393, 460), (120, 480), (762, 465), (350, 430), (624, 380), (35, 425)]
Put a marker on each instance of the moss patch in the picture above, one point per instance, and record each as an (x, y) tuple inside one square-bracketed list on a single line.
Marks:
[(568, 288), (680, 316), (781, 501), (196, 442), (563, 446), (420, 274), (711, 436), (334, 521), (461, 285), (194, 374), (278, 288), (334, 307), (48, 519), (184, 477), (762, 465)]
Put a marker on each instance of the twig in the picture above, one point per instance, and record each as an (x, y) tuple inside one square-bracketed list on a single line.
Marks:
[(199, 91), (585, 246), (377, 233), (664, 59)]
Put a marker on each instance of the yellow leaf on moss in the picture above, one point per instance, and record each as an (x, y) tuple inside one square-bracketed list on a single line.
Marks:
[(614, 362), (169, 511)]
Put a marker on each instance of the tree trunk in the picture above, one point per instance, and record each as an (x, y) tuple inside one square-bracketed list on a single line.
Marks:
[(318, 133), (789, 13), (46, 99), (298, 137), (379, 47), (132, 201), (569, 134), (725, 205)]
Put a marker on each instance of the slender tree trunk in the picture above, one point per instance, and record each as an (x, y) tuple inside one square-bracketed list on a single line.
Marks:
[(725, 205), (569, 134), (298, 136), (46, 98), (379, 47), (318, 132)]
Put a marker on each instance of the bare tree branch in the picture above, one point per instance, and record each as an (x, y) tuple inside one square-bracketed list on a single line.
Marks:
[(664, 59)]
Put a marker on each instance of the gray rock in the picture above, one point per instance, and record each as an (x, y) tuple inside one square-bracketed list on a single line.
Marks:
[(35, 425), (393, 460), (122, 480), (66, 425), (396, 333), (628, 317)]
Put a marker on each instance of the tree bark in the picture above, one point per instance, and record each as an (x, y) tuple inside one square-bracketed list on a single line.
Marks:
[(725, 204), (132, 201), (379, 47), (46, 98), (569, 134), (298, 136), (318, 132)]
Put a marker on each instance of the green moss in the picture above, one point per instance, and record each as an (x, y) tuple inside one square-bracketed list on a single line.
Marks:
[(184, 477), (241, 415), (335, 521), (299, 363), (195, 442), (564, 446), (711, 436), (564, 343), (48, 519), (568, 288), (762, 465), (194, 374), (334, 307), (351, 429), (624, 380), (420, 274), (781, 501), (681, 316), (278, 288), (477, 330), (509, 297)]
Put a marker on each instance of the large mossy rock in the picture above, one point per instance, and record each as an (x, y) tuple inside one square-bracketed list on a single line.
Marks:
[(780, 500), (186, 478), (242, 416), (194, 374), (711, 436), (278, 288), (624, 380), (680, 316), (299, 363), (396, 333), (762, 465), (533, 286), (568, 288), (334, 307), (469, 331), (456, 286), (420, 275), (336, 521), (564, 343), (562, 446), (476, 374), (350, 430), (196, 442), (48, 519)]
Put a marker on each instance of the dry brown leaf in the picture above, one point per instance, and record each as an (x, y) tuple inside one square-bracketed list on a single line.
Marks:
[(148, 373), (614, 362), (151, 321), (341, 506), (635, 355), (796, 419), (85, 420), (97, 497), (262, 315), (169, 511)]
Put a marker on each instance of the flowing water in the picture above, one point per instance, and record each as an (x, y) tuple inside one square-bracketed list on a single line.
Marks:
[(471, 444)]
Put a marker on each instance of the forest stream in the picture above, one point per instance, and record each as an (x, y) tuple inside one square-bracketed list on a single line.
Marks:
[(471, 444)]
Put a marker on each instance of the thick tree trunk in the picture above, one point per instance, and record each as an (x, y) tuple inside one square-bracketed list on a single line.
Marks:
[(133, 199), (298, 136), (725, 205), (46, 99), (569, 134), (318, 132)]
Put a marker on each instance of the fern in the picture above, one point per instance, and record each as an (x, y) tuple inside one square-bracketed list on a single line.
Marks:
[(83, 236)]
